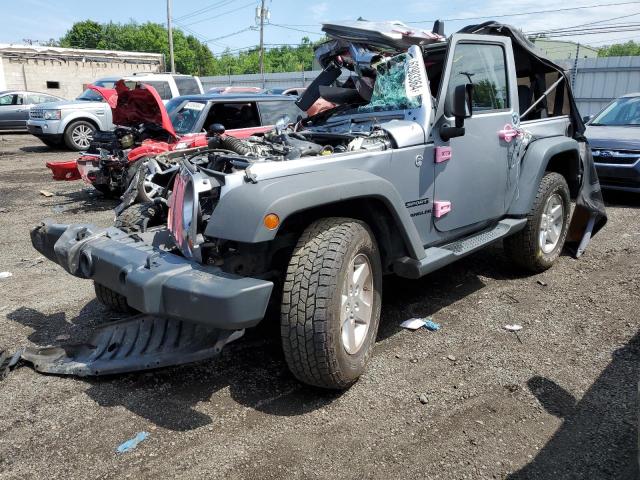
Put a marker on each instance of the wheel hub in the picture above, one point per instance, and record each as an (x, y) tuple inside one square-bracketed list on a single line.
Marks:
[(357, 304), (551, 223)]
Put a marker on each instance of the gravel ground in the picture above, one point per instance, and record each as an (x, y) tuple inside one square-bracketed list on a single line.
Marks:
[(557, 401)]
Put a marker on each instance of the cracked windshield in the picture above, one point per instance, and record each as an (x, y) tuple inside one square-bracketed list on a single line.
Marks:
[(390, 90)]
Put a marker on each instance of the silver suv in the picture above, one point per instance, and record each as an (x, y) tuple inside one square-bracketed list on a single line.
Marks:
[(74, 122)]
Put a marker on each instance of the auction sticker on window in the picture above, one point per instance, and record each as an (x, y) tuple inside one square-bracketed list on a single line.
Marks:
[(415, 77), (194, 106)]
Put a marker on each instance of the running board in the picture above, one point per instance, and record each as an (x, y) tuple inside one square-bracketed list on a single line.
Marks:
[(437, 257)]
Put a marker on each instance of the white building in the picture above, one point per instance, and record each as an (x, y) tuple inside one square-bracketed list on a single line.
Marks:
[(66, 71)]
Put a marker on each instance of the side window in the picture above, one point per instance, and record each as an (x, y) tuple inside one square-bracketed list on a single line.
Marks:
[(162, 88), (35, 98), (272, 112), (7, 99), (19, 99), (485, 67), (187, 85), (233, 115)]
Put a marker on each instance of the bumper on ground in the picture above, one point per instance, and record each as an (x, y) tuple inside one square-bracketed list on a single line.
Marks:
[(155, 282)]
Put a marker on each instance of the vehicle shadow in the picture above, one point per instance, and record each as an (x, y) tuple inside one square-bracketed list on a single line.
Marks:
[(85, 200), (599, 436), (47, 149), (252, 369), (405, 298), (615, 198)]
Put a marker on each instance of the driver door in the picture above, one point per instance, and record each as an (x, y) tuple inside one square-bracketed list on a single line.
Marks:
[(474, 180)]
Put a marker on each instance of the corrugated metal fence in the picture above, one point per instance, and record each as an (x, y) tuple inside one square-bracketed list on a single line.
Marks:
[(597, 80), (600, 80)]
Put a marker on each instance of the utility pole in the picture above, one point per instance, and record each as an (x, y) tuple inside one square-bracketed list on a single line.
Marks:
[(575, 66), (262, 38), (170, 32)]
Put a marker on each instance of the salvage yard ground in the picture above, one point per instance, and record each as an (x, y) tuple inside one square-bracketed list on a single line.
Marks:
[(557, 401)]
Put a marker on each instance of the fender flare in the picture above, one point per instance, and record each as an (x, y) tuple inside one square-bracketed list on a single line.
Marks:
[(533, 167), (240, 212), (81, 115)]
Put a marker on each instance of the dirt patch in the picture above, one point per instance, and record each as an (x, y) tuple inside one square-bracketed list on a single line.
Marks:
[(557, 401)]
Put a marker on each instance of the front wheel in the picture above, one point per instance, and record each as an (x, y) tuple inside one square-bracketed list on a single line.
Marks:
[(79, 134), (331, 303), (539, 244)]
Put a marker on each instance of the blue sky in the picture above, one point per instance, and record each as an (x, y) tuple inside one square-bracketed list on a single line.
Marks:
[(42, 19)]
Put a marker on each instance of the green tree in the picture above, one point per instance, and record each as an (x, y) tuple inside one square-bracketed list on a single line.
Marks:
[(191, 55), (85, 34), (630, 48)]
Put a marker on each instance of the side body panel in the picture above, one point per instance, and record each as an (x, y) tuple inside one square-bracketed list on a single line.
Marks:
[(533, 168)]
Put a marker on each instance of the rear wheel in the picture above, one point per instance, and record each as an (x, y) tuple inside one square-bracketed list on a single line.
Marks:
[(78, 135), (539, 244), (331, 303)]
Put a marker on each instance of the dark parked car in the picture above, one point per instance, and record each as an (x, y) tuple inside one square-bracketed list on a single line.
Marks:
[(15, 105), (614, 135)]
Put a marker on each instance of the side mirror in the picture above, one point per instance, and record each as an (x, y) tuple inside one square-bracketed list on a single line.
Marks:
[(588, 118), (461, 109), (462, 103)]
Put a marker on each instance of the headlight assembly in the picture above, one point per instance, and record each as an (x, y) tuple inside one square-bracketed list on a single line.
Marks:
[(51, 114), (184, 210)]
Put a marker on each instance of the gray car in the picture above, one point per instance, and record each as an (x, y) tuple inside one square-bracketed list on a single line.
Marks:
[(614, 135), (15, 105)]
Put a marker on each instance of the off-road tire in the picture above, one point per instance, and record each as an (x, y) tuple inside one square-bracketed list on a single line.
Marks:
[(139, 217), (311, 303), (111, 299), (523, 248), (68, 134)]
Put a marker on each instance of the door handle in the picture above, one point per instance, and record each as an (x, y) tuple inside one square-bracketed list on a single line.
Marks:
[(508, 133)]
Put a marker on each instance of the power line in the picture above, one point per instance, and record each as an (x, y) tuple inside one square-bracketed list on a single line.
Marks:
[(194, 13), (529, 13), (212, 40), (584, 30), (250, 4), (296, 29)]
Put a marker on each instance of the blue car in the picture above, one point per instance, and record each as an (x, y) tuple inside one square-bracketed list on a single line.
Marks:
[(614, 135)]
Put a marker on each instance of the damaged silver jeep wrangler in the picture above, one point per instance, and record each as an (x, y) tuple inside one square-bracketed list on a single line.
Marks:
[(435, 148)]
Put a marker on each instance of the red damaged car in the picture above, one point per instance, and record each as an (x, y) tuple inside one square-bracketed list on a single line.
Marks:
[(146, 128)]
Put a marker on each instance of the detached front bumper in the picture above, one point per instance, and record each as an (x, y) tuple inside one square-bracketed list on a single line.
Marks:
[(154, 281)]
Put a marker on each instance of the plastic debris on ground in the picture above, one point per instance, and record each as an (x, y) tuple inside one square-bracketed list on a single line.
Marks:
[(133, 443), (46, 193), (8, 362), (513, 328), (5, 274), (416, 323)]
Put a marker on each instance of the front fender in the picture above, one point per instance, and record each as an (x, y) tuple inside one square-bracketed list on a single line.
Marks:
[(533, 168), (100, 121), (240, 212)]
